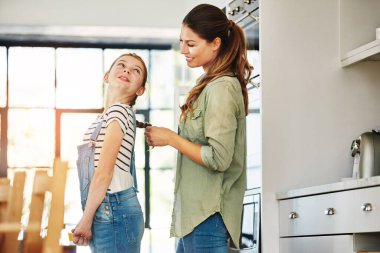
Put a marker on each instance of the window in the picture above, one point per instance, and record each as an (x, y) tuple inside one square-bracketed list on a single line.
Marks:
[(3, 76), (31, 77), (56, 93), (79, 78)]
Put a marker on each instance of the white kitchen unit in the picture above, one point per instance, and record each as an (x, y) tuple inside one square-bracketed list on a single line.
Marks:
[(359, 21), (341, 217)]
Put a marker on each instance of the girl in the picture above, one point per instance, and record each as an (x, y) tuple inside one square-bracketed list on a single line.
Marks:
[(211, 171), (112, 220)]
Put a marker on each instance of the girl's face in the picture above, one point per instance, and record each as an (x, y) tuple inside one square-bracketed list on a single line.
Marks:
[(127, 75), (198, 52)]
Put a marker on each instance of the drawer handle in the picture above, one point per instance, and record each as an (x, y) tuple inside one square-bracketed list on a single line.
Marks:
[(367, 207), (293, 215), (330, 211)]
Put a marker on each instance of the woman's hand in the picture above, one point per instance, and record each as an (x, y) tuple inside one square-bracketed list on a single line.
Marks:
[(158, 136), (82, 233)]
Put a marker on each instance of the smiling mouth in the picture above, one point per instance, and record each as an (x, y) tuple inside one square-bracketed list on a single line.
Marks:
[(124, 78)]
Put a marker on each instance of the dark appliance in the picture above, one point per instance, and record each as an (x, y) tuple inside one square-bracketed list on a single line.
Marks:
[(250, 228)]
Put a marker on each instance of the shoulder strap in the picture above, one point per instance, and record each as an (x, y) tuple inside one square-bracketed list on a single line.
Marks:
[(132, 167), (95, 134)]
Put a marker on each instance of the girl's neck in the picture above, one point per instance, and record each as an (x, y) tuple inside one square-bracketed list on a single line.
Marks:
[(110, 100)]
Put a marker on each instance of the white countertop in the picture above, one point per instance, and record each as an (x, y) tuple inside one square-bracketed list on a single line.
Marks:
[(345, 185)]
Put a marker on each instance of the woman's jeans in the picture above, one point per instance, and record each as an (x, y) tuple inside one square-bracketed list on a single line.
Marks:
[(208, 237), (118, 224)]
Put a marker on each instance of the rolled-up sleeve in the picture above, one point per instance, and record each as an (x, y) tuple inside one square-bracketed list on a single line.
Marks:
[(220, 124)]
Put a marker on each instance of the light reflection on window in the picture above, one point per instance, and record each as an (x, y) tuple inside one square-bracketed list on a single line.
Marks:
[(31, 137), (162, 79), (79, 78), (31, 77), (73, 127), (162, 157), (110, 55), (3, 75)]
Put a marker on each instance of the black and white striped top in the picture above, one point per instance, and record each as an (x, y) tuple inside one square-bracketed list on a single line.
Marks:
[(122, 178)]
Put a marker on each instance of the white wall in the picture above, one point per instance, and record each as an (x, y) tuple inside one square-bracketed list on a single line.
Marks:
[(132, 13), (312, 108)]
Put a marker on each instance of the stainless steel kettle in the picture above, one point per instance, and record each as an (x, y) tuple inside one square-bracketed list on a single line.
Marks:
[(366, 153)]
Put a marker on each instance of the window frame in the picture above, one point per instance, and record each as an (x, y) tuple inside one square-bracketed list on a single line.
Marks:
[(17, 42)]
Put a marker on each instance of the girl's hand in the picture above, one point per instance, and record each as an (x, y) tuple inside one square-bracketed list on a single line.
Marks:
[(82, 233), (158, 136)]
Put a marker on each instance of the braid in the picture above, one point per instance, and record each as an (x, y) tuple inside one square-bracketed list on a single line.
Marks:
[(142, 124)]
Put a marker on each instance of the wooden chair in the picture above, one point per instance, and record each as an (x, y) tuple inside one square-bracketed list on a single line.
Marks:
[(11, 202), (55, 184)]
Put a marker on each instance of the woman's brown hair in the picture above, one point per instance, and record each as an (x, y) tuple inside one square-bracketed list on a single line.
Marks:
[(209, 22)]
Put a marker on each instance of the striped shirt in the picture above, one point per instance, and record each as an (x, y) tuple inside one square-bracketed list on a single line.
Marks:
[(121, 113)]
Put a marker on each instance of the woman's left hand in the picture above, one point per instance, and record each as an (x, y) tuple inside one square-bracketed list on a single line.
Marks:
[(158, 136)]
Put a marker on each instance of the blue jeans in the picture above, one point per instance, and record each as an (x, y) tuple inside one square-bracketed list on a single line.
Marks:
[(118, 224), (208, 237)]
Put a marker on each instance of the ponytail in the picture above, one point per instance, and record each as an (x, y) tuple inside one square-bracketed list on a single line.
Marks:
[(209, 22)]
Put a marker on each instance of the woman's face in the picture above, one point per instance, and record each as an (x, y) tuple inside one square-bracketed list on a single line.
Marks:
[(127, 75), (198, 52)]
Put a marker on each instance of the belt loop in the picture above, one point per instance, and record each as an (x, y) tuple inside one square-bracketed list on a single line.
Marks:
[(117, 198), (108, 200)]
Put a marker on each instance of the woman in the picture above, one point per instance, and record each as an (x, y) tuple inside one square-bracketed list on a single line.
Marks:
[(211, 167), (112, 220)]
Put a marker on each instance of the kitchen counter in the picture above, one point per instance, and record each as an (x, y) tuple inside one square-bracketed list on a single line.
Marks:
[(347, 184)]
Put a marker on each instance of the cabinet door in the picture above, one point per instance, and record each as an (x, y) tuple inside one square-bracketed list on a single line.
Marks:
[(317, 244), (311, 217)]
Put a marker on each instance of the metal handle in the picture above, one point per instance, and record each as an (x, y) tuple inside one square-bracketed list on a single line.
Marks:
[(237, 9), (367, 207), (293, 215), (231, 12), (330, 211)]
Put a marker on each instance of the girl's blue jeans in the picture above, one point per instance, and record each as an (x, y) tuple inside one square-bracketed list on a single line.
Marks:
[(118, 225), (210, 236)]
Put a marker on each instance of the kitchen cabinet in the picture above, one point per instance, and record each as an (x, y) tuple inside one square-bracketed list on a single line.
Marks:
[(341, 217), (358, 22), (326, 244)]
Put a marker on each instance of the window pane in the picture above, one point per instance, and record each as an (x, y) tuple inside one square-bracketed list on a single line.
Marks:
[(110, 55), (163, 157), (79, 78), (31, 77), (162, 79), (31, 137), (73, 127), (0, 137), (3, 76)]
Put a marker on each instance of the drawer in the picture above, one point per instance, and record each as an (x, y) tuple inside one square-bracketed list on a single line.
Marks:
[(317, 244), (309, 216)]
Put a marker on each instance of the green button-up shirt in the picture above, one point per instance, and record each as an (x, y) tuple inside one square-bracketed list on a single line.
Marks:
[(218, 123)]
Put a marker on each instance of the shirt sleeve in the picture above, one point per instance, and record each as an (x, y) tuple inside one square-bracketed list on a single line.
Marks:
[(121, 115), (220, 124)]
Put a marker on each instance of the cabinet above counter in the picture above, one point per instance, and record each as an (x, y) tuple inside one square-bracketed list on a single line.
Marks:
[(369, 52), (359, 21), (329, 188)]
